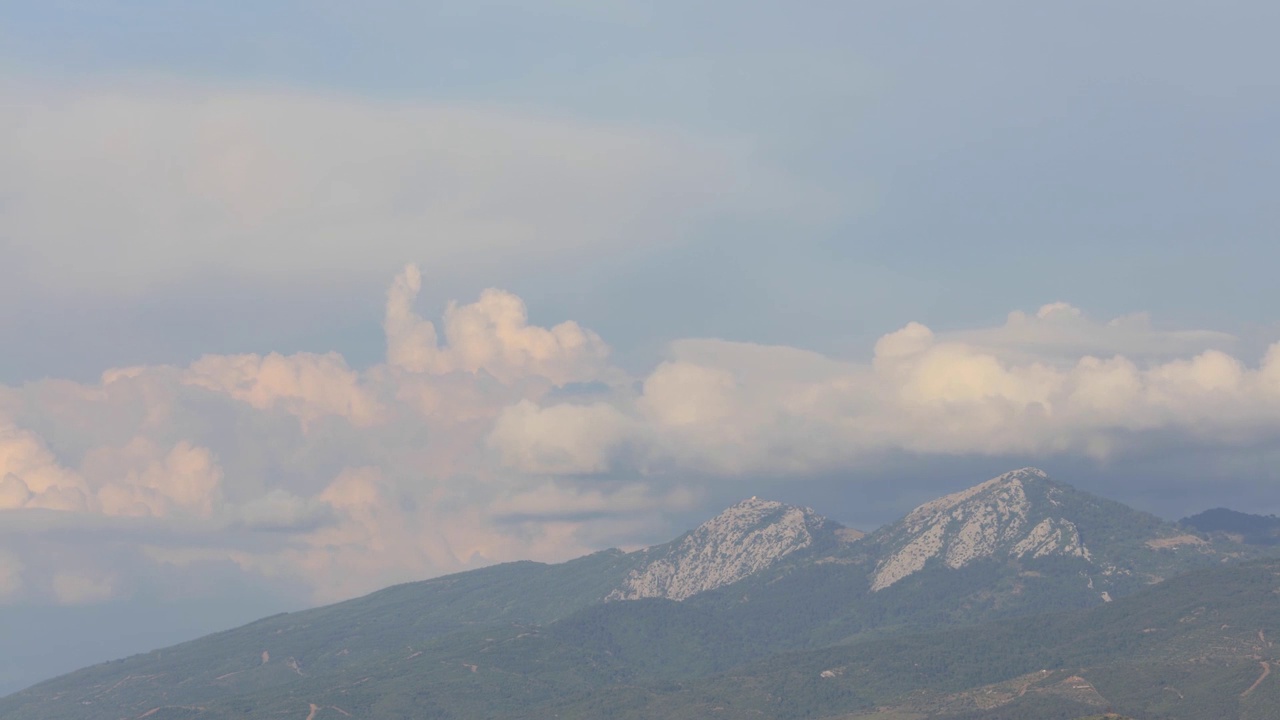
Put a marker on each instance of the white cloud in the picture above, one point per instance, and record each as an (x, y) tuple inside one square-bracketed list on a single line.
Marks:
[(559, 440), (14, 492), (330, 481), (1053, 383), (1060, 331), (299, 469), (32, 476), (119, 186), (306, 385), (144, 479), (492, 334)]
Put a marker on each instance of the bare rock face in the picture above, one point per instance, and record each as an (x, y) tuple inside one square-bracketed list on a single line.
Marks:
[(1011, 515), (1025, 518), (744, 539)]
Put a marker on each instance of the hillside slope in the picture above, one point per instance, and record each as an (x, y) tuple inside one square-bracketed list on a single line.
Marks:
[(1197, 646), (760, 579), (368, 634), (1241, 527), (1193, 647)]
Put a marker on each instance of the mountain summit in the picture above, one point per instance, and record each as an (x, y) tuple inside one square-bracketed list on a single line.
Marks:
[(746, 538), (1023, 516), (1013, 515), (527, 640)]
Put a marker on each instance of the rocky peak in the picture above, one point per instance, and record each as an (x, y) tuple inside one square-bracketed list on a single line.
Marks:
[(1006, 492), (744, 539), (1014, 515)]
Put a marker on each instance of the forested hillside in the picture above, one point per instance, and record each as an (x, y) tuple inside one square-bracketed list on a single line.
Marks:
[(1020, 597)]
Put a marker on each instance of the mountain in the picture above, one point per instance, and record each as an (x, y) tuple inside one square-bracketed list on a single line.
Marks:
[(755, 590), (1237, 526), (1193, 647), (743, 540), (1019, 514), (1023, 516), (1201, 645), (367, 631), (1016, 544)]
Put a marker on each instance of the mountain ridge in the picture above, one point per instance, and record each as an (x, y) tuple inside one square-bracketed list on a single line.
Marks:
[(744, 539), (1242, 527), (991, 515), (1024, 515), (759, 578)]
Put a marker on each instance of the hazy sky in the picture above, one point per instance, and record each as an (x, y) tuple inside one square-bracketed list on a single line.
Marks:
[(300, 299)]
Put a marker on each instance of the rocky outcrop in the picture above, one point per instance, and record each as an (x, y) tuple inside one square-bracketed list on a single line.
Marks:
[(994, 518), (745, 539)]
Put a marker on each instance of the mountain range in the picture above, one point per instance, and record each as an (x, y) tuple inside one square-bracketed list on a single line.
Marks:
[(1018, 597), (1237, 526)]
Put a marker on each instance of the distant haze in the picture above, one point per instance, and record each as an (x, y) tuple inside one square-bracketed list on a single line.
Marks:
[(299, 301)]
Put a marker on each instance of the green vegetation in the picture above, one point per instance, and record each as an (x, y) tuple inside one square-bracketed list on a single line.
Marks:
[(1251, 529), (805, 638), (1187, 648)]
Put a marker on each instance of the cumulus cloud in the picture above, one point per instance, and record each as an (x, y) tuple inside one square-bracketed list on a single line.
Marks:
[(560, 439), (1056, 382), (492, 439), (118, 186), (299, 469), (306, 385), (142, 479), (492, 334), (31, 476)]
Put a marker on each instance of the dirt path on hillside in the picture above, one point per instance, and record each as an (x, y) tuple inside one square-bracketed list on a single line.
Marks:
[(155, 710), (1266, 670), (317, 708)]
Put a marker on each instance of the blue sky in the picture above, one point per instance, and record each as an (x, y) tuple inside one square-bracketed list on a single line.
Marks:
[(737, 248), (982, 158)]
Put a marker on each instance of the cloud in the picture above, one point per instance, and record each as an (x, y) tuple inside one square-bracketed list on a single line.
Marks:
[(144, 479), (565, 501), (119, 187), (282, 511), (1061, 331), (560, 439), (30, 475), (1052, 383), (492, 334), (495, 439), (74, 589), (306, 385), (300, 470)]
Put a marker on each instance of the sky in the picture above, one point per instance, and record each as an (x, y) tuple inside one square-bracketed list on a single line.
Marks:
[(301, 299)]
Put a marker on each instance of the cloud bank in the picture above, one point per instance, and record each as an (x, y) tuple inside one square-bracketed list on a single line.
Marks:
[(483, 438)]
